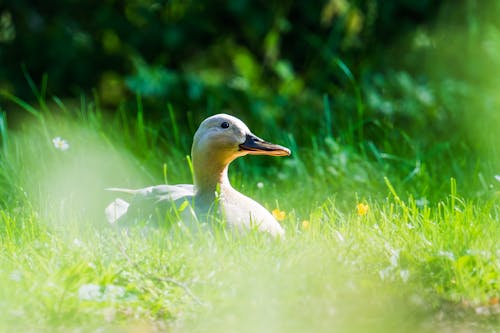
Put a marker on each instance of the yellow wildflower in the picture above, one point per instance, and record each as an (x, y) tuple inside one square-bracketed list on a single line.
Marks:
[(305, 225), (278, 214), (362, 209)]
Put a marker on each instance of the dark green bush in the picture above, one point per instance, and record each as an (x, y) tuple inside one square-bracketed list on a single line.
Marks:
[(397, 80)]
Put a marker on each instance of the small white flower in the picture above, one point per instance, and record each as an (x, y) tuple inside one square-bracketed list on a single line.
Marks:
[(90, 292), (260, 185), (94, 292), (404, 274), (497, 177), (60, 144), (112, 292)]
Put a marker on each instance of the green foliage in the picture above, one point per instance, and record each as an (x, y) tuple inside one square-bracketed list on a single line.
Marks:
[(68, 269), (381, 103), (367, 72)]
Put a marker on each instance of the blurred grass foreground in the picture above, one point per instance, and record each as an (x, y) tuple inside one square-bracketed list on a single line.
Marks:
[(390, 200)]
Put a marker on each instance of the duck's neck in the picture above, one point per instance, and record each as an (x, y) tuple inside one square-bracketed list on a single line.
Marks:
[(209, 177)]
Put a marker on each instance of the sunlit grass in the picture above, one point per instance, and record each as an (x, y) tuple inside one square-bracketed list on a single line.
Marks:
[(365, 261), (398, 267), (390, 200)]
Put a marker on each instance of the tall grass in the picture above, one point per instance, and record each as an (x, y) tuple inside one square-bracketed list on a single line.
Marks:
[(400, 264)]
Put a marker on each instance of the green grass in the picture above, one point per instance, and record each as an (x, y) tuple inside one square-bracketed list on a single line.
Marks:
[(405, 266)]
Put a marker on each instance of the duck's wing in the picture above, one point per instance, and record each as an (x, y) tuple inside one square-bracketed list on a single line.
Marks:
[(242, 212), (170, 192), (148, 201)]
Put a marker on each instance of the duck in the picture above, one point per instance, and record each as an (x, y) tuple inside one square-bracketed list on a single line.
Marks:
[(219, 140)]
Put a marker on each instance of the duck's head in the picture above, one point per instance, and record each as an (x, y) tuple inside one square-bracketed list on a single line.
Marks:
[(224, 138)]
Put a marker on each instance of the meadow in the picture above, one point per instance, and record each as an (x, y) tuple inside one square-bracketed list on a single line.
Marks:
[(378, 261), (390, 199)]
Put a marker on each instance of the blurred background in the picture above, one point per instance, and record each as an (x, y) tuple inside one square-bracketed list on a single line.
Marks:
[(382, 103), (403, 87)]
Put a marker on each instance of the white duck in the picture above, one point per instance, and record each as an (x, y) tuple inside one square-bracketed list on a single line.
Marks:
[(219, 140)]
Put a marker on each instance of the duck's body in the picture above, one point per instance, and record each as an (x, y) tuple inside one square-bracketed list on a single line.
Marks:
[(218, 141), (242, 212)]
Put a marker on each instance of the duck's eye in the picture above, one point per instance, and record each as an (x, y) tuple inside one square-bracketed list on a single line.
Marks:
[(225, 124)]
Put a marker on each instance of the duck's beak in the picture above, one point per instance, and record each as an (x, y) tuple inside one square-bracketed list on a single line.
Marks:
[(256, 146)]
